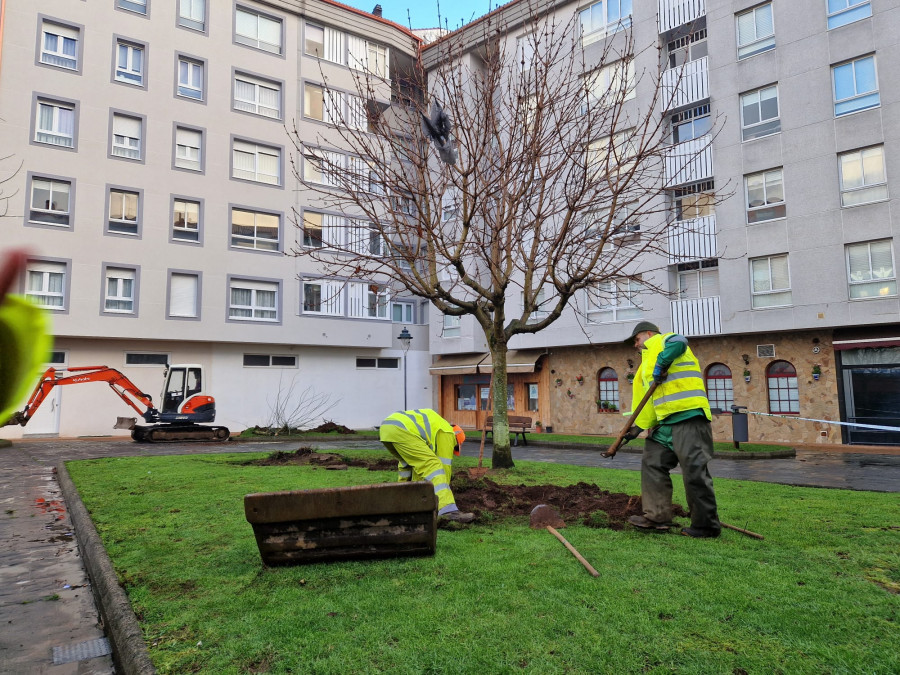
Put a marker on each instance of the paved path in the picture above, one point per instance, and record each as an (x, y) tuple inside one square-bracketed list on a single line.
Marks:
[(45, 599)]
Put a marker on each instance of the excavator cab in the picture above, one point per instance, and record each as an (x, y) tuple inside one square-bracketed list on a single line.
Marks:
[(182, 382)]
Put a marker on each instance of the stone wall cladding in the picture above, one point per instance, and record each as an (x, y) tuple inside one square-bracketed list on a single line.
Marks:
[(574, 410)]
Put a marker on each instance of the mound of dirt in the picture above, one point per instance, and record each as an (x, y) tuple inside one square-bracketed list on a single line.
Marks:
[(330, 427), (305, 455)]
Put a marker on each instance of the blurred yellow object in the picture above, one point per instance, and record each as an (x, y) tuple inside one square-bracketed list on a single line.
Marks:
[(25, 342)]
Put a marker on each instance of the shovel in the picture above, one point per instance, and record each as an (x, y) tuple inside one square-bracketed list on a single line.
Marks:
[(543, 516), (614, 448)]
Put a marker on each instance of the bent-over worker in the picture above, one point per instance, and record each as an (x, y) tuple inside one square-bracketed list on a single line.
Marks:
[(424, 443), (678, 417)]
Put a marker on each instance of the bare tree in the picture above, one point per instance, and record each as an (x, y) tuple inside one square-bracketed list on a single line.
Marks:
[(559, 187), (292, 409)]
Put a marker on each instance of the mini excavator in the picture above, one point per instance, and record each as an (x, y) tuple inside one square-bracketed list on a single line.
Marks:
[(184, 405)]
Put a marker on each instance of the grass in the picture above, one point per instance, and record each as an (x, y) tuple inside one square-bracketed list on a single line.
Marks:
[(819, 595)]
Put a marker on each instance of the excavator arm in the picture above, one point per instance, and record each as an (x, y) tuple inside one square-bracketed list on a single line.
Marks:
[(121, 385)]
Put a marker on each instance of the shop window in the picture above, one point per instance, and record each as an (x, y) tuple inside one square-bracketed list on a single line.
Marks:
[(465, 397)]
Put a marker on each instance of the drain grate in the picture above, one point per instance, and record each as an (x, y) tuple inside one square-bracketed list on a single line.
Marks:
[(81, 651)]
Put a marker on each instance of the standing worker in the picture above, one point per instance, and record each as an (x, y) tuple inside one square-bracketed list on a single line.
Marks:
[(424, 443), (680, 432)]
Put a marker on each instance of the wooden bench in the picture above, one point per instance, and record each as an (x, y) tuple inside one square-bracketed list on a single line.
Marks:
[(518, 425)]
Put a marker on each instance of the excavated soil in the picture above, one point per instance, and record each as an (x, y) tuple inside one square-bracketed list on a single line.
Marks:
[(582, 502)]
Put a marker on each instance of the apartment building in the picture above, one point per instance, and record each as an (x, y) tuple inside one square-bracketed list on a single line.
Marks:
[(787, 288), (149, 172)]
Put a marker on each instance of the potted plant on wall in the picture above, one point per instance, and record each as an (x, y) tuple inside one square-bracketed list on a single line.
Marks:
[(816, 371), (746, 375), (558, 382), (579, 379), (538, 427)]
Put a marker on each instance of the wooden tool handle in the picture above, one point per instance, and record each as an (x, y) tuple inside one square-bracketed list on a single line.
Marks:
[(742, 531), (571, 548), (614, 448)]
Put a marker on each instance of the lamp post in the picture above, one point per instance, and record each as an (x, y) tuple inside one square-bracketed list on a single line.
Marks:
[(405, 338)]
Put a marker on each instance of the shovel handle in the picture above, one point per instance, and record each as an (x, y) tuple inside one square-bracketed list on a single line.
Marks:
[(578, 556), (614, 448), (742, 530)]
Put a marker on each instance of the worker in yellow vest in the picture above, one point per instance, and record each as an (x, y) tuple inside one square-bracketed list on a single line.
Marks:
[(424, 444), (678, 417)]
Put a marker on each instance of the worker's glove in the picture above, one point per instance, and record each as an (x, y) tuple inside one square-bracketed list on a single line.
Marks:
[(630, 435), (660, 374)]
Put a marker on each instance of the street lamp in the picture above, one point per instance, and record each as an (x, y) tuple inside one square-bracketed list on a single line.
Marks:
[(405, 338)]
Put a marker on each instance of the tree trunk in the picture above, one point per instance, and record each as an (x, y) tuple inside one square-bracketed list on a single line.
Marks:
[(501, 457)]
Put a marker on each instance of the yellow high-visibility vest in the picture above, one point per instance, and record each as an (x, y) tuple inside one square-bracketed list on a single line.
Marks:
[(424, 423)]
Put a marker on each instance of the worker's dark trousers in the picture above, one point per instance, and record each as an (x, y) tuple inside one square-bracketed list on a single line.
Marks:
[(692, 440)]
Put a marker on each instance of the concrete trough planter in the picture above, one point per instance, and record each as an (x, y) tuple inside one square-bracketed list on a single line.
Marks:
[(350, 523)]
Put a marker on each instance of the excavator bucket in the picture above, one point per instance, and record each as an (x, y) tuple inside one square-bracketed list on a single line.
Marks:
[(125, 423)]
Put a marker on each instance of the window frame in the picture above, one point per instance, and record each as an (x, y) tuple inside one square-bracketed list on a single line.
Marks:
[(256, 154), (795, 386), (269, 361), (133, 7), (719, 394), (143, 47), (608, 375), (763, 48), (776, 207), (79, 43), (613, 305), (857, 96), (745, 128), (201, 208), (325, 173), (865, 186), (279, 241), (335, 304), (247, 39), (201, 63), (843, 17), (699, 269), (185, 22), (691, 117), (142, 139), (56, 102), (451, 326), (872, 281), (407, 310), (255, 284), (31, 176), (605, 81), (608, 27), (364, 308), (65, 264), (139, 225), (134, 298), (257, 81), (148, 364), (771, 291), (198, 299), (200, 130)]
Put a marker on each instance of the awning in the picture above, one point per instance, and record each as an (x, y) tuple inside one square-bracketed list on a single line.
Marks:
[(517, 361), (458, 364), (869, 336)]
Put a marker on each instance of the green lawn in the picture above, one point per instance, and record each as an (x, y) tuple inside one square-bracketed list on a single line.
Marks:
[(819, 595)]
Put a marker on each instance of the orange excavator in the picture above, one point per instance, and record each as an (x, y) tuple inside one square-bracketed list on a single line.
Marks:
[(184, 405)]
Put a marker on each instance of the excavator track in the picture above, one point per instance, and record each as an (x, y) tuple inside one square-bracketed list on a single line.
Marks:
[(171, 433)]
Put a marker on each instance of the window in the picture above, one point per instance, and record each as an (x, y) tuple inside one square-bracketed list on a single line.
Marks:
[(759, 113), (126, 136), (185, 220), (120, 290), (377, 63), (253, 300), (531, 389), (870, 268), (604, 17), (312, 230), (465, 397), (192, 14), (184, 295), (59, 45), (323, 297), (55, 123), (252, 229), (365, 239), (45, 283), (322, 104), (190, 78), (314, 42), (784, 396), (257, 31), (719, 387), (622, 147), (615, 300), (451, 326), (690, 124), (139, 6), (364, 362), (608, 85), (691, 47), (608, 389), (146, 359), (124, 211), (488, 404), (698, 279), (403, 312), (765, 196), (855, 86), (863, 177), (129, 63), (256, 162), (322, 166), (623, 221), (50, 201), (368, 301), (755, 31), (842, 12), (695, 201), (771, 282), (322, 230), (539, 313), (188, 149), (269, 361), (257, 96), (369, 57)]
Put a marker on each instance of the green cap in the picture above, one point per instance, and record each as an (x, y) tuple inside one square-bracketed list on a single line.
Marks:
[(640, 328)]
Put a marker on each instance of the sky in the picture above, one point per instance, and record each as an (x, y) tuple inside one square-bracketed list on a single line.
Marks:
[(424, 13)]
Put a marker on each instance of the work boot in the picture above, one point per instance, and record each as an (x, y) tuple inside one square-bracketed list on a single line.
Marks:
[(700, 532), (458, 517), (647, 524)]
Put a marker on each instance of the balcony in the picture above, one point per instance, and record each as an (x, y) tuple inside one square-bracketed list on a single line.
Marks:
[(685, 85), (675, 13), (696, 317), (690, 240), (689, 162)]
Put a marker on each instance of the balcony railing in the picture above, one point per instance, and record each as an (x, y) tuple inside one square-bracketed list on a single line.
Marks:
[(690, 240), (699, 316), (685, 85), (689, 162), (674, 13)]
